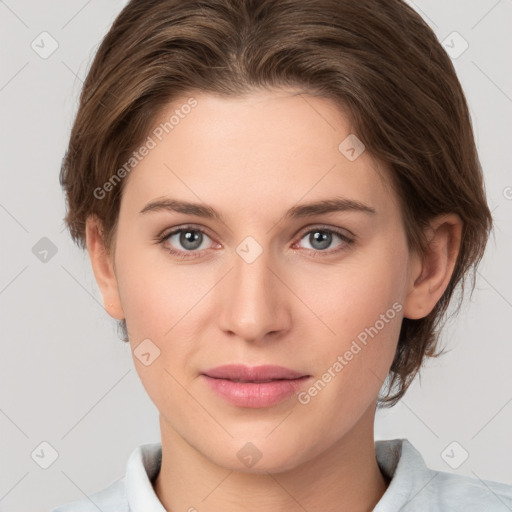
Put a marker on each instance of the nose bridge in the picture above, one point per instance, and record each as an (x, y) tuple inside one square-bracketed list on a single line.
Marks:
[(252, 302)]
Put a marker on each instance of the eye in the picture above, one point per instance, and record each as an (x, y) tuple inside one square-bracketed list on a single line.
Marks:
[(321, 238), (187, 239)]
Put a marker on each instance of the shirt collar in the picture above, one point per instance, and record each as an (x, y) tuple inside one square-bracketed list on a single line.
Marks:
[(142, 469), (404, 465)]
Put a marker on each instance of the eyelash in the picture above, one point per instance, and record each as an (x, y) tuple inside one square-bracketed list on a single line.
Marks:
[(316, 253)]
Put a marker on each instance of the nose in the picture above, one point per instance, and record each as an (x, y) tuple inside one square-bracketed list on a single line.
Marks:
[(253, 300)]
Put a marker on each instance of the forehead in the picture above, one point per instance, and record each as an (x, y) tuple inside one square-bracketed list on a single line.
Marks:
[(265, 148)]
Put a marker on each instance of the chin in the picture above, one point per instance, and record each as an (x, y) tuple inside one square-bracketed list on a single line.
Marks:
[(259, 456)]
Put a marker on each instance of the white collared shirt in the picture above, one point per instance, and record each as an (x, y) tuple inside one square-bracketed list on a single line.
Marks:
[(413, 487)]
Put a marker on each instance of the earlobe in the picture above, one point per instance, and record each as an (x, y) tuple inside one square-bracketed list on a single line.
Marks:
[(102, 265), (430, 273)]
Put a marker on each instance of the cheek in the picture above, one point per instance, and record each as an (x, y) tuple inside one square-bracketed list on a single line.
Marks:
[(156, 303), (155, 292), (358, 312), (352, 296)]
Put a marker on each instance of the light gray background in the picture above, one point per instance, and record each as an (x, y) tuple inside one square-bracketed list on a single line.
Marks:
[(68, 380)]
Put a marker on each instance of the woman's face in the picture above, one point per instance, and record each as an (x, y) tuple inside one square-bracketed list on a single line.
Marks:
[(263, 280)]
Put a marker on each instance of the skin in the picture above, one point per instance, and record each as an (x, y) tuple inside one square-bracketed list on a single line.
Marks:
[(252, 158)]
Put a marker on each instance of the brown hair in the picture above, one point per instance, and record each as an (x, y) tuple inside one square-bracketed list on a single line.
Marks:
[(376, 59)]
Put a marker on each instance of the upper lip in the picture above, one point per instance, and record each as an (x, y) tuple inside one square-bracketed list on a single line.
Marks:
[(252, 373)]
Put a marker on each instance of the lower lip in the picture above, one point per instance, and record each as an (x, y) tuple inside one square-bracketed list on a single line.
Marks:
[(255, 395)]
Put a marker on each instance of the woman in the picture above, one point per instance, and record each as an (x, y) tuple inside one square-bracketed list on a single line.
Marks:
[(279, 199)]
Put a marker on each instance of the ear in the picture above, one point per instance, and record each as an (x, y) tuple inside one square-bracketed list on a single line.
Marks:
[(430, 273), (103, 267)]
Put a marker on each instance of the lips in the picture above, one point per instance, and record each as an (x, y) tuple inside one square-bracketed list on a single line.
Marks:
[(247, 374), (256, 386)]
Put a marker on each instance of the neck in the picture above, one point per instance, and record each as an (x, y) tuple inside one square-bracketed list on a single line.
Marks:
[(346, 477)]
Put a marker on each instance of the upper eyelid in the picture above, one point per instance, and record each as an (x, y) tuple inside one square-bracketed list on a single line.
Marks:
[(191, 227), (320, 227)]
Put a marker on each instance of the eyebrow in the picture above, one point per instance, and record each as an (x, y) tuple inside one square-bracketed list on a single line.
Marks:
[(336, 204)]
